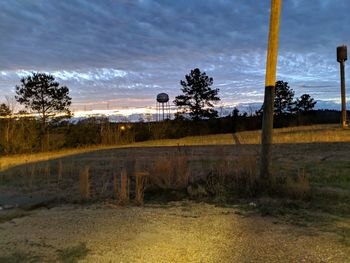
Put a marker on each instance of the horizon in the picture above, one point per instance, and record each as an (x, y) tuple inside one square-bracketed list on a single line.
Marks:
[(135, 114)]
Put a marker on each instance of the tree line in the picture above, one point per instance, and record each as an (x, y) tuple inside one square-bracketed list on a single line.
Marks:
[(50, 129)]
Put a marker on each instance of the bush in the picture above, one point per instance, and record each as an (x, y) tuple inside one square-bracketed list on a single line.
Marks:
[(237, 177), (170, 172), (298, 187)]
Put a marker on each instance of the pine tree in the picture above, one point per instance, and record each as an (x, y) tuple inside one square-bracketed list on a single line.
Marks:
[(198, 96)]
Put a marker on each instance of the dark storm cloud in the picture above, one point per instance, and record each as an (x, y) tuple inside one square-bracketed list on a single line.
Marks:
[(128, 49)]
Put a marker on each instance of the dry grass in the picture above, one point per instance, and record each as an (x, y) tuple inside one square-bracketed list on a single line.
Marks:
[(234, 175), (215, 139), (230, 169), (140, 184), (84, 184), (170, 172), (18, 159), (115, 185), (240, 176), (59, 171), (47, 172), (246, 174), (298, 187), (104, 184), (122, 188), (303, 134)]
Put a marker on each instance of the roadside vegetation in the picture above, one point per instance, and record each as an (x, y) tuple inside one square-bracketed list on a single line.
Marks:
[(301, 134), (310, 187)]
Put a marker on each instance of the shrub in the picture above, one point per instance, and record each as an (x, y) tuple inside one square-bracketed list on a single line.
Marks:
[(122, 187), (298, 187), (170, 172), (140, 183), (234, 176)]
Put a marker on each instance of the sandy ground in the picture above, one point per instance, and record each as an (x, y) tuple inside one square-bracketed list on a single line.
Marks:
[(177, 232)]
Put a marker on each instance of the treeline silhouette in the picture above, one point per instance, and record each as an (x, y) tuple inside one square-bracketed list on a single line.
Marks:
[(51, 129), (23, 135)]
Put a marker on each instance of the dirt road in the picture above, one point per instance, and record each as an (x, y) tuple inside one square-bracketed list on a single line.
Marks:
[(177, 232)]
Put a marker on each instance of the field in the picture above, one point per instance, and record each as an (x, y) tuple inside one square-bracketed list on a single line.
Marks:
[(307, 134), (182, 220)]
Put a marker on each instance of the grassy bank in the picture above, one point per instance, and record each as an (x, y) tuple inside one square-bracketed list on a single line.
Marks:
[(295, 135)]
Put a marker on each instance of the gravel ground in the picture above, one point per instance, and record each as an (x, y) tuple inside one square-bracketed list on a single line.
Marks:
[(177, 232)]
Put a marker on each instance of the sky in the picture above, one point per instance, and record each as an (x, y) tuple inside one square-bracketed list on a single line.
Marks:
[(119, 54)]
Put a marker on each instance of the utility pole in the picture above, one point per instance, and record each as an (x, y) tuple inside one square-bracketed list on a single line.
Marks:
[(270, 82), (342, 56)]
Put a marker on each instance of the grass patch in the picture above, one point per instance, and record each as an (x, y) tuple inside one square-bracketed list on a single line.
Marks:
[(344, 234), (164, 196), (20, 257), (10, 214), (73, 254), (302, 134), (330, 173), (317, 214)]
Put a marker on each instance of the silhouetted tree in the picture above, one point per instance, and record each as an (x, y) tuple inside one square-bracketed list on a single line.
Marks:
[(283, 102), (198, 97), (305, 103), (40, 93), (235, 112), (284, 97), (5, 127), (4, 110)]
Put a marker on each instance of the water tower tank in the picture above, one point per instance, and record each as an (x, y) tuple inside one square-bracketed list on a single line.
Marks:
[(163, 106), (162, 98), (342, 53)]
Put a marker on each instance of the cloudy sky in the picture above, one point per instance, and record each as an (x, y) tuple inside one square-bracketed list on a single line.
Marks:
[(121, 53)]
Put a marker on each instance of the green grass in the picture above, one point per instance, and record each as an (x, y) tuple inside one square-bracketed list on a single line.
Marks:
[(330, 173), (73, 254), (20, 257)]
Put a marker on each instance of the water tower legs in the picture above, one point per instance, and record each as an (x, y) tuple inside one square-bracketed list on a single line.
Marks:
[(343, 98)]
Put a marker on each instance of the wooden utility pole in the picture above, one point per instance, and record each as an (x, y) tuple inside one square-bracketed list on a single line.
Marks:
[(342, 56), (270, 82)]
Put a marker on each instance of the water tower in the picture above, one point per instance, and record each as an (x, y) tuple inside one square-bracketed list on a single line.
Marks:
[(342, 56), (163, 106)]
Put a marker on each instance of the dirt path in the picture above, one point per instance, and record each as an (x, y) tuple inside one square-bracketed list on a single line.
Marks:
[(178, 232)]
